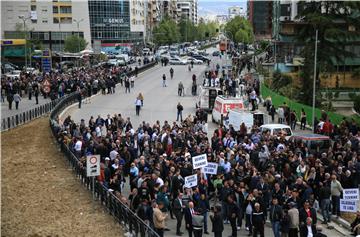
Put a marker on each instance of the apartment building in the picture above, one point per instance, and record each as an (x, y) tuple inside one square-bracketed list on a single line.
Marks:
[(260, 16), (236, 11), (47, 21), (188, 9)]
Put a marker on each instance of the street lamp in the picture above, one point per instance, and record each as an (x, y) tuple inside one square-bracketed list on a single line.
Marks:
[(78, 28), (314, 82), (24, 19)]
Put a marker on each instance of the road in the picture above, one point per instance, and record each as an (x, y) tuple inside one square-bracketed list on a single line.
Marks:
[(159, 104), (24, 105)]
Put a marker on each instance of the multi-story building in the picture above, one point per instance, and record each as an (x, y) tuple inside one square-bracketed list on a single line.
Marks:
[(260, 17), (138, 13), (222, 19), (170, 9), (236, 11), (47, 21), (188, 9)]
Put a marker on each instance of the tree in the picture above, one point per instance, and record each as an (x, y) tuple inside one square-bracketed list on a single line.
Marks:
[(166, 32), (74, 44), (239, 30), (332, 19)]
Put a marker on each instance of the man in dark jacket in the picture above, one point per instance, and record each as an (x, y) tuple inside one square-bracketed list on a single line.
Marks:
[(306, 212), (309, 227), (178, 212), (275, 216), (189, 212), (258, 221), (217, 222), (233, 211), (324, 199)]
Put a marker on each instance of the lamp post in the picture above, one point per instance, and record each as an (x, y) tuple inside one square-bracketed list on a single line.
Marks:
[(24, 19), (60, 38), (314, 82), (78, 28)]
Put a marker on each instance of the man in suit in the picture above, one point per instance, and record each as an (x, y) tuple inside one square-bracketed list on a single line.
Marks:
[(178, 212), (309, 229), (108, 122), (217, 222), (189, 212)]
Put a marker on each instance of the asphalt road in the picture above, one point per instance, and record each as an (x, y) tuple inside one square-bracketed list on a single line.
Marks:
[(159, 104)]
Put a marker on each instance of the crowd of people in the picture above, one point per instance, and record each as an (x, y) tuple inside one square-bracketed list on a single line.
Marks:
[(93, 80), (260, 177)]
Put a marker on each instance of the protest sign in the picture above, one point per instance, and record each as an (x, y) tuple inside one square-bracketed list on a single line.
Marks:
[(199, 161), (211, 168), (190, 181)]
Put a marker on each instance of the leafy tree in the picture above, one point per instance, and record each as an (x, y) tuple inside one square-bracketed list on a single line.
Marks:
[(332, 20), (239, 30), (166, 32), (74, 44)]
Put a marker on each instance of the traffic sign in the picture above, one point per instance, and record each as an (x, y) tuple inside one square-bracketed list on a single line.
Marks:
[(93, 165)]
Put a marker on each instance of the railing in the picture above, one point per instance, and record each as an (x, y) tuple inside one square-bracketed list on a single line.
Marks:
[(121, 212), (27, 116)]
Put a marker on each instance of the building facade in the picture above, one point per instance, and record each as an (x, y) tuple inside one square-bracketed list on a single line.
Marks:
[(47, 21), (260, 14), (236, 11), (188, 9)]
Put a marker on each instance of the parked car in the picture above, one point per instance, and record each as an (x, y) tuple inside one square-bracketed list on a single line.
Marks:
[(277, 130), (196, 61), (216, 53), (177, 61), (316, 143), (201, 57)]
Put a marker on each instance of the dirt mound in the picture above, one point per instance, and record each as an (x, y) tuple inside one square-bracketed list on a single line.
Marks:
[(40, 194)]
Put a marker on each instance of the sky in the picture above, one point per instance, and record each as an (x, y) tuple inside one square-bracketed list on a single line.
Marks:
[(216, 7)]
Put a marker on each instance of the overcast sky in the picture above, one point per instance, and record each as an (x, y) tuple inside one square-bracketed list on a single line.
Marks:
[(216, 7)]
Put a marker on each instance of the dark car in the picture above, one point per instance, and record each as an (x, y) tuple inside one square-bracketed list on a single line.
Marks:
[(314, 142), (216, 53), (202, 58)]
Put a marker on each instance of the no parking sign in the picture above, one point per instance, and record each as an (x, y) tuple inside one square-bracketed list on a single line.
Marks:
[(93, 165)]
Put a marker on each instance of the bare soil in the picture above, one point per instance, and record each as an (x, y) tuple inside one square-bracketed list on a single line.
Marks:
[(40, 194)]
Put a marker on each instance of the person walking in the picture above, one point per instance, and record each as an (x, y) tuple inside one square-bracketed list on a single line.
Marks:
[(294, 220), (336, 190), (180, 108), (17, 99), (137, 105), (141, 97), (164, 80), (127, 85), (272, 113), (171, 73), (10, 99), (281, 114), (79, 96), (189, 212), (233, 211), (132, 81), (159, 219), (302, 119), (217, 222), (275, 216), (180, 89), (324, 199), (258, 221), (178, 208), (36, 95)]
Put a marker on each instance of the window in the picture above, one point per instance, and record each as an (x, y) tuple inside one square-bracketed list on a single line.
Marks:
[(65, 20), (116, 34), (33, 7), (34, 21), (44, 10), (99, 34), (55, 9), (46, 36), (44, 21), (55, 20), (65, 9)]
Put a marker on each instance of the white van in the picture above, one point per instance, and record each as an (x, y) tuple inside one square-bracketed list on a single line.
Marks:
[(277, 130), (207, 96), (222, 106), (249, 118)]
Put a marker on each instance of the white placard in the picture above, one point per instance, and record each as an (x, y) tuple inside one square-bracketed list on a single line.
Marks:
[(211, 168), (190, 181), (93, 165), (348, 205), (199, 161), (351, 194)]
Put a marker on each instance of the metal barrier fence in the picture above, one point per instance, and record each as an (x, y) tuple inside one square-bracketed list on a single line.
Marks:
[(24, 117), (121, 212)]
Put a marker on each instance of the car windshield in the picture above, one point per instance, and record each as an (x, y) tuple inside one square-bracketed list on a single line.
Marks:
[(322, 144), (282, 131)]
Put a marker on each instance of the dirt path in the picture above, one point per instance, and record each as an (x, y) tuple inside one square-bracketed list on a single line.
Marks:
[(40, 194)]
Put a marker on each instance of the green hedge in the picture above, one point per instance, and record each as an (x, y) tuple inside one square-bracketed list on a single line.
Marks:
[(278, 100)]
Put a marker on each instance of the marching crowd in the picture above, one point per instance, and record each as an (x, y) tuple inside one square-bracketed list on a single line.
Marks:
[(93, 80), (260, 177)]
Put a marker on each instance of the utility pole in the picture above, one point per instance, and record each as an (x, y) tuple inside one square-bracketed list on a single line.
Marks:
[(24, 19), (314, 82), (78, 28), (60, 38)]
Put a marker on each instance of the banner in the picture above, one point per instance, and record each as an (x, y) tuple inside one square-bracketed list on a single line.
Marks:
[(190, 181), (348, 205), (199, 161), (211, 168), (351, 194)]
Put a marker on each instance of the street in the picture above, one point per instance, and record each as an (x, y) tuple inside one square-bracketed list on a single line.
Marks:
[(159, 104)]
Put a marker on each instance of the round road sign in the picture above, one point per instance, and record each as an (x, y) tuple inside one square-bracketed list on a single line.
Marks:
[(93, 160)]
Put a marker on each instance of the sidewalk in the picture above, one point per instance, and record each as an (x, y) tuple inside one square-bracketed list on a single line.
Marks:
[(24, 105)]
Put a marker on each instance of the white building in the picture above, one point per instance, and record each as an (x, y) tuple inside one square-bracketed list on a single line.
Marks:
[(138, 16), (188, 9), (236, 11), (48, 21)]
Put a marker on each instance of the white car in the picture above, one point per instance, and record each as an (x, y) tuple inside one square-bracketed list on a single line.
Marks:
[(177, 61), (13, 74), (277, 130), (196, 61)]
